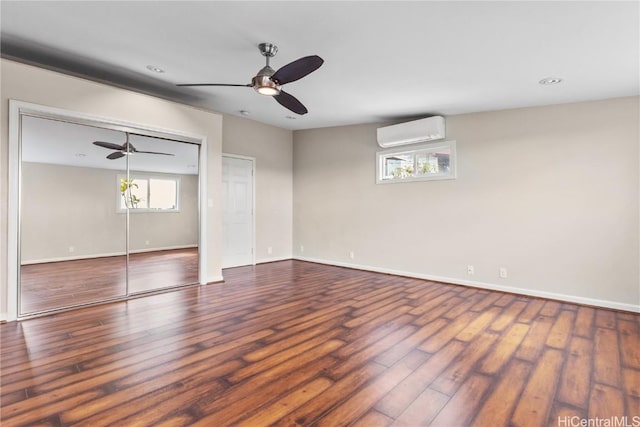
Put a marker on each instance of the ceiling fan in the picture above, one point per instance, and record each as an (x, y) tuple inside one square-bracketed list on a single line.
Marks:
[(125, 149), (269, 82)]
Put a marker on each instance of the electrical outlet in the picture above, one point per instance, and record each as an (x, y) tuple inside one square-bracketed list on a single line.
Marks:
[(72, 249), (146, 242), (502, 272), (301, 248), (352, 255), (470, 270), (269, 250)]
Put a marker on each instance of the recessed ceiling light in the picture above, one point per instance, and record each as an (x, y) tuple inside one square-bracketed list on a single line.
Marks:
[(81, 155), (550, 81), (290, 117), (244, 112), (155, 69)]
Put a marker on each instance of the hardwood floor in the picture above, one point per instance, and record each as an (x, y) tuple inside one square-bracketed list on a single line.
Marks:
[(296, 343), (54, 285)]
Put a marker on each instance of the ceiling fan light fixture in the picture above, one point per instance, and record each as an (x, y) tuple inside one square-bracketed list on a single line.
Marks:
[(265, 86), (267, 91)]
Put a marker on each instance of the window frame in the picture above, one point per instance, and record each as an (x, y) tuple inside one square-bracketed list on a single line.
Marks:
[(148, 178), (381, 156)]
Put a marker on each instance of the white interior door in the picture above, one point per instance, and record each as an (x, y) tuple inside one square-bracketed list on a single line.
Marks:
[(237, 188)]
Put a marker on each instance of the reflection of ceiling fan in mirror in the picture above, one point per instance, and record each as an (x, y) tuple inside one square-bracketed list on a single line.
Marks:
[(125, 149)]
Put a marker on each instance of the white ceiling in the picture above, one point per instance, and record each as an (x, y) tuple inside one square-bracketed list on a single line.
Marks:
[(384, 61), (61, 143)]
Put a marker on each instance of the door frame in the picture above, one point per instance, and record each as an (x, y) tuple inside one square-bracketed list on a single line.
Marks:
[(19, 108), (253, 201)]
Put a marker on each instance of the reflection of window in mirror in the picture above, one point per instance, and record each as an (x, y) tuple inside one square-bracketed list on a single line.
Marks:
[(145, 193), (163, 194)]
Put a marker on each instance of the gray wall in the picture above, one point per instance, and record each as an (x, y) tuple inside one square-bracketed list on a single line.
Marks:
[(65, 206), (272, 148), (550, 193)]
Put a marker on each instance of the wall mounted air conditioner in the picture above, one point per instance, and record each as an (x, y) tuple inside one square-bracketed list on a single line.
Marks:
[(413, 132)]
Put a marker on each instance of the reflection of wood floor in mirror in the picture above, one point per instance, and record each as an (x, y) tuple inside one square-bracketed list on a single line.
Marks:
[(54, 285)]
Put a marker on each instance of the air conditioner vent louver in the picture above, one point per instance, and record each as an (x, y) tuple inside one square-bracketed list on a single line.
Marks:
[(423, 130)]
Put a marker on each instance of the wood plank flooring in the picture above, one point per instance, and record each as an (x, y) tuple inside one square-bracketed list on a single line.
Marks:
[(295, 343), (55, 285)]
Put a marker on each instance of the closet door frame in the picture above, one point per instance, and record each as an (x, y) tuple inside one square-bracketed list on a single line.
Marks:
[(17, 109)]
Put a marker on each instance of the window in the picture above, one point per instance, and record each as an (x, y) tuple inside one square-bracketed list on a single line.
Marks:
[(427, 162), (148, 194)]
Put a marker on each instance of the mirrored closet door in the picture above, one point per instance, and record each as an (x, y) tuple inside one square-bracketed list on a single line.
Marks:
[(161, 194), (103, 214)]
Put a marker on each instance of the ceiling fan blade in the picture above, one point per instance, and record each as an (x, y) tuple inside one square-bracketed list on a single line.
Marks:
[(155, 152), (115, 155), (108, 145), (297, 69), (212, 84), (290, 102)]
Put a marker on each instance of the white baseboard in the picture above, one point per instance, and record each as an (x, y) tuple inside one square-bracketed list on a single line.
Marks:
[(274, 259), (92, 256), (168, 248), (70, 258), (483, 285), (214, 279)]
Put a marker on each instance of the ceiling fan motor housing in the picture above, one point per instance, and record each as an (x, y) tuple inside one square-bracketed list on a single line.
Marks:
[(127, 148), (263, 84)]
